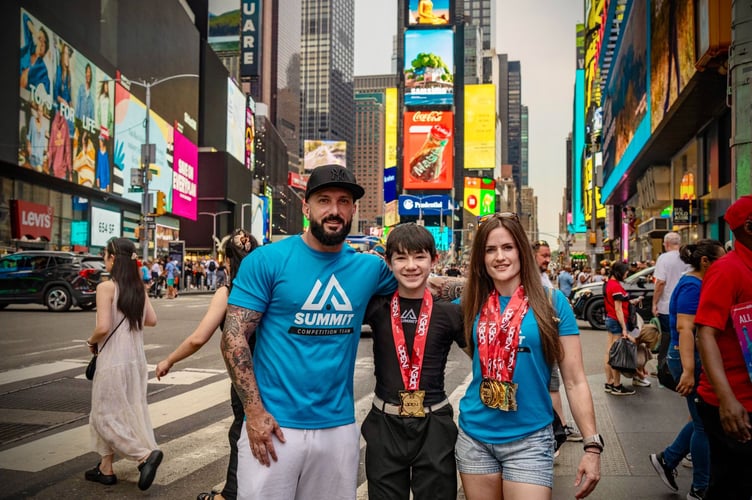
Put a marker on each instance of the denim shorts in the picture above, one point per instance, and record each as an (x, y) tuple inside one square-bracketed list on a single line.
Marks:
[(529, 460), (613, 326)]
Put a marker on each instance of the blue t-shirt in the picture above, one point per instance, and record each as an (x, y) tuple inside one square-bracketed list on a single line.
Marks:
[(313, 305), (532, 374), (684, 300), (170, 269)]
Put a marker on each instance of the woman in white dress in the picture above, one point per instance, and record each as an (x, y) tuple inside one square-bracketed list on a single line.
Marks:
[(119, 419)]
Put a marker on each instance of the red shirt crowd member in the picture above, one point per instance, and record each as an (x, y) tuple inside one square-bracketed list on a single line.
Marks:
[(724, 317)]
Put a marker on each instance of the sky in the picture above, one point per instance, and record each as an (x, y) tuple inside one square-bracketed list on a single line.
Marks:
[(545, 47)]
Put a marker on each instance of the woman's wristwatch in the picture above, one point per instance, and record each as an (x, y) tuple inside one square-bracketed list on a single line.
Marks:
[(595, 441)]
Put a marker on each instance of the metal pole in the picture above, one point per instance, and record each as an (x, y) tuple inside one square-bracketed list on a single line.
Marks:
[(740, 64), (145, 173)]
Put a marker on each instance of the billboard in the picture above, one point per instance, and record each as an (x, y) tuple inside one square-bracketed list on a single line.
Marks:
[(427, 205), (428, 13), (105, 224), (250, 36), (673, 26), (429, 67), (224, 25), (480, 126), (184, 177), (428, 150), (66, 111), (236, 121), (129, 136), (317, 153), (390, 184), (390, 127), (480, 196), (250, 134)]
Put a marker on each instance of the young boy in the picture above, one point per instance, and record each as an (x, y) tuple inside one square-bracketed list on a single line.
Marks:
[(410, 432)]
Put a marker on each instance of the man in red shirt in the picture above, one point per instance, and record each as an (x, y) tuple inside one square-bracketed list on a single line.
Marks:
[(726, 380)]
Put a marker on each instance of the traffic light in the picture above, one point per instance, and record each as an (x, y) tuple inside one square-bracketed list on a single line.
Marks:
[(161, 201)]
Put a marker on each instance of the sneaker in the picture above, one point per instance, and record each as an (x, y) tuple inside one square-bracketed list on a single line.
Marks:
[(641, 382), (572, 433), (695, 494), (620, 390), (608, 387), (668, 476), (687, 461)]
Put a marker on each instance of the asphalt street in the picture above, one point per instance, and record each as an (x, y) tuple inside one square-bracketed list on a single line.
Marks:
[(44, 404)]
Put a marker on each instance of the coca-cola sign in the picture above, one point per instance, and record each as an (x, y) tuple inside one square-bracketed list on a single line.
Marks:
[(428, 150), (30, 220)]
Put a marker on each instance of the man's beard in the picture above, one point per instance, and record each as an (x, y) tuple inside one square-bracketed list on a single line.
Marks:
[(330, 239)]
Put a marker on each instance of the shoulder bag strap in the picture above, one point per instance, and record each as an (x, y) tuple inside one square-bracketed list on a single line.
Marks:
[(111, 334)]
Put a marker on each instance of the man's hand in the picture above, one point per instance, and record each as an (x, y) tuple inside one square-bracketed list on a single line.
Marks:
[(260, 429), (735, 420), (588, 474)]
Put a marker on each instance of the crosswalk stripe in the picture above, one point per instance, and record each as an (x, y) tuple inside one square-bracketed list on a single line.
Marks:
[(67, 445)]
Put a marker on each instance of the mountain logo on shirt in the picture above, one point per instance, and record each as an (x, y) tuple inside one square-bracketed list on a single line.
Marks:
[(408, 316), (316, 316)]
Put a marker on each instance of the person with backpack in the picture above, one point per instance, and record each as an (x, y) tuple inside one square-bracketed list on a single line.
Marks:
[(211, 274)]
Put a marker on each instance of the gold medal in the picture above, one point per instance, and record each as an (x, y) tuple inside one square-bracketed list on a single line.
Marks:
[(488, 394), (412, 403), (508, 400)]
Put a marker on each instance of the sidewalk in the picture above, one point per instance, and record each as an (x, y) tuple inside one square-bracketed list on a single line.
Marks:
[(633, 427)]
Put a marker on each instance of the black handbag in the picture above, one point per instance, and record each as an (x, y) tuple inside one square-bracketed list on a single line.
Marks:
[(665, 377), (92, 366), (623, 356)]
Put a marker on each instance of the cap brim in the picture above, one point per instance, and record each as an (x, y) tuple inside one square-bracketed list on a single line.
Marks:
[(355, 189)]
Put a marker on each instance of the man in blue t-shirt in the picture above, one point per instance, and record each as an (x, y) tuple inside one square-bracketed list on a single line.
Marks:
[(304, 299)]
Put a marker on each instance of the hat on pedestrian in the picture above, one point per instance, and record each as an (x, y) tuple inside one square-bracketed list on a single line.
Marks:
[(333, 176), (739, 212)]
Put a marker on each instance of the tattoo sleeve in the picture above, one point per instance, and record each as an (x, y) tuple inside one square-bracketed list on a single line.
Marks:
[(240, 325), (446, 288)]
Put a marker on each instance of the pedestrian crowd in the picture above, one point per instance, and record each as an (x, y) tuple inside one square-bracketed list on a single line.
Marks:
[(290, 316)]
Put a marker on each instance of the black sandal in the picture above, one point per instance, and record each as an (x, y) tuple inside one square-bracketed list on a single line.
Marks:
[(208, 496), (95, 475)]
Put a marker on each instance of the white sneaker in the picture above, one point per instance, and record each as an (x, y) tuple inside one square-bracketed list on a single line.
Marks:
[(641, 382)]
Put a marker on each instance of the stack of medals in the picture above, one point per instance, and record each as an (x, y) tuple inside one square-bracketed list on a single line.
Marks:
[(497, 363), (411, 399)]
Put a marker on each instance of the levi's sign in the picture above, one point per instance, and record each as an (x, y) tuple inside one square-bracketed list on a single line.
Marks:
[(250, 36)]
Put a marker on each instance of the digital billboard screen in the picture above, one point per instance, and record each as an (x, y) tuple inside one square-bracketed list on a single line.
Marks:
[(224, 25), (428, 150), (236, 121), (480, 126), (429, 67), (66, 111), (317, 153), (428, 12), (184, 177)]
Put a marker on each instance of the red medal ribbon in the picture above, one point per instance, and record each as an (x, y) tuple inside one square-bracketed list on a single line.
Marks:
[(499, 335), (411, 367)]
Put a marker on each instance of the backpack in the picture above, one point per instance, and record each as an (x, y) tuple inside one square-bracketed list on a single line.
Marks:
[(212, 266)]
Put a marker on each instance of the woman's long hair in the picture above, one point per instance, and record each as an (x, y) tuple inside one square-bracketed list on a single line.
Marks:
[(479, 286), (237, 245), (125, 273), (692, 253)]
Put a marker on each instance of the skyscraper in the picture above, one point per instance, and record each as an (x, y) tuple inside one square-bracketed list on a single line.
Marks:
[(524, 147), (326, 71), (481, 13)]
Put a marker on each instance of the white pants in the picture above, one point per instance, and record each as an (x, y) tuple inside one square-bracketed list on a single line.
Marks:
[(311, 465)]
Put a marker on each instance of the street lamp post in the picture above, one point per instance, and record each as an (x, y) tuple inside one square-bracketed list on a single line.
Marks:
[(214, 229), (242, 214), (147, 155)]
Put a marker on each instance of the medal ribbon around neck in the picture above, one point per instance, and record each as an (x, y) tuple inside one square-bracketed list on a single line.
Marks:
[(411, 367), (499, 335)]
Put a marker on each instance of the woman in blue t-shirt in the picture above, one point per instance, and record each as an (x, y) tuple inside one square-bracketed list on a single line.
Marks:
[(684, 364), (515, 331)]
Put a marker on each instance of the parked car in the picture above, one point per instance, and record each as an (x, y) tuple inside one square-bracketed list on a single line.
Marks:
[(57, 280), (587, 300)]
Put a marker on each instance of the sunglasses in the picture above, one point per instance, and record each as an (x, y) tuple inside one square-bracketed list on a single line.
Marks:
[(501, 215), (540, 243)]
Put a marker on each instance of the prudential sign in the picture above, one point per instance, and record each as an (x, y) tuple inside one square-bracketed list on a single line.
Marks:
[(250, 38)]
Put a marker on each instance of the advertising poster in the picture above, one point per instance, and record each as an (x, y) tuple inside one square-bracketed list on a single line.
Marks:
[(480, 196), (428, 12), (390, 184), (390, 127), (184, 177), (672, 54), (236, 121), (250, 134), (66, 111), (428, 150), (224, 25), (130, 135), (319, 153), (480, 126), (105, 224), (429, 67)]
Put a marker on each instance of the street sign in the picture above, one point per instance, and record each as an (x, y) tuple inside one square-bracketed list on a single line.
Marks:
[(151, 225), (148, 218)]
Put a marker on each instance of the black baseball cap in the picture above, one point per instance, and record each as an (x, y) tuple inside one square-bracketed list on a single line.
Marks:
[(328, 176)]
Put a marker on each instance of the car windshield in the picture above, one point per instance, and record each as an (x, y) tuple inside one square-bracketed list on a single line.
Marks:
[(645, 273)]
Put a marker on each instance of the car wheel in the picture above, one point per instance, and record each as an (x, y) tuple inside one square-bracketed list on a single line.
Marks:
[(595, 314), (57, 299), (88, 307)]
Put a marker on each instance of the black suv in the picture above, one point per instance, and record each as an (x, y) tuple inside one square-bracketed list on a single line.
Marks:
[(57, 280), (587, 300)]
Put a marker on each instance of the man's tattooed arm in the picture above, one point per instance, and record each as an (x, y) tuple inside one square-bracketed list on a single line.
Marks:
[(446, 288), (240, 325)]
